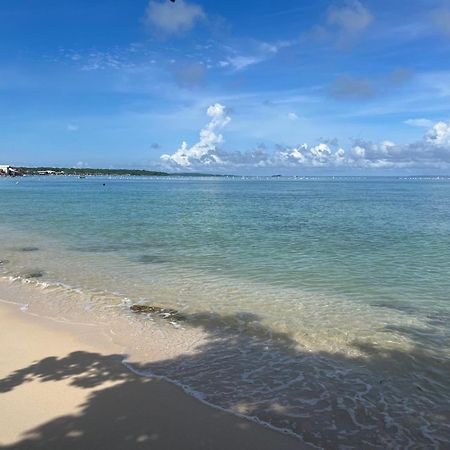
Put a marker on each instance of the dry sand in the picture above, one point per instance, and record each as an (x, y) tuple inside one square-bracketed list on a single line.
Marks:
[(62, 387)]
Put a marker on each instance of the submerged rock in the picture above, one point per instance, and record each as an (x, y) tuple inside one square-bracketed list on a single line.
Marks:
[(145, 308), (29, 249), (3, 261), (169, 314), (152, 259), (35, 274)]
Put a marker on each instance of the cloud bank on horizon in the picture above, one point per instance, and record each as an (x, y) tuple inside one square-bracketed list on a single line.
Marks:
[(432, 151)]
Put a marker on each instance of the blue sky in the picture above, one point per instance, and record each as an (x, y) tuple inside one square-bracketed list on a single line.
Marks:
[(255, 87)]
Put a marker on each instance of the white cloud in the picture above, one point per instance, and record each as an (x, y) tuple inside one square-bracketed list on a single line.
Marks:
[(439, 134), (173, 18), (72, 127), (241, 62), (319, 155), (422, 123), (292, 116), (259, 52), (203, 152), (432, 151)]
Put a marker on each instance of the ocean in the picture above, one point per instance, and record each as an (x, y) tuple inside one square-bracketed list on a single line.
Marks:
[(319, 306)]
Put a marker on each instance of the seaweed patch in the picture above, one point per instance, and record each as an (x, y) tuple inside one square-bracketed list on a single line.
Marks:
[(169, 314), (34, 274)]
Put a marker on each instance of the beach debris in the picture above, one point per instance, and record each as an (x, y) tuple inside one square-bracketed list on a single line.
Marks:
[(165, 313), (29, 249)]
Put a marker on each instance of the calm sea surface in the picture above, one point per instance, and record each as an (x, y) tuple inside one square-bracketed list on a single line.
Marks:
[(318, 306)]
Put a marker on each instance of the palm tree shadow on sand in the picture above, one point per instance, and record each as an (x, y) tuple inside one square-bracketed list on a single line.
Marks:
[(325, 398)]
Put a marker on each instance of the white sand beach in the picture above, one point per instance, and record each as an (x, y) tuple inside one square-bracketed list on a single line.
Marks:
[(63, 386)]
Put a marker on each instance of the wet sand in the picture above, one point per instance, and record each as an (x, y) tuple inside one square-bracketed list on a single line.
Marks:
[(64, 387)]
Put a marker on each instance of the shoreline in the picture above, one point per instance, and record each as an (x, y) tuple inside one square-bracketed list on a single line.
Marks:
[(65, 386)]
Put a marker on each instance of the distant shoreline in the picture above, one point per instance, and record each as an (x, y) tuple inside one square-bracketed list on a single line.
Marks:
[(83, 172)]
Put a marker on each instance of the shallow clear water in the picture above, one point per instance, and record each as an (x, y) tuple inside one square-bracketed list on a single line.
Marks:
[(320, 306)]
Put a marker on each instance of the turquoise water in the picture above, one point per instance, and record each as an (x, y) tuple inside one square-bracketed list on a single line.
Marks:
[(323, 303)]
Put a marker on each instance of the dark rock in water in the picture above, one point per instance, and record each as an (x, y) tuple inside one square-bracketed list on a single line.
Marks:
[(152, 259), (29, 249), (170, 314), (3, 261), (145, 308), (36, 274)]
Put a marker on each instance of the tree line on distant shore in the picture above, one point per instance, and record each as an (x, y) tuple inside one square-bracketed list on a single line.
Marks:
[(99, 172), (86, 171)]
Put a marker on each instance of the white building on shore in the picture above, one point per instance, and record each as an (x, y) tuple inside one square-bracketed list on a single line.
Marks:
[(5, 170)]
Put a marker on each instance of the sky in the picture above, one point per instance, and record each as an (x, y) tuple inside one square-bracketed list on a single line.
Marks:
[(257, 87)]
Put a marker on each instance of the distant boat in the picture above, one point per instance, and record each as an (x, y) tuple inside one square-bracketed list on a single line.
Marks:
[(81, 176)]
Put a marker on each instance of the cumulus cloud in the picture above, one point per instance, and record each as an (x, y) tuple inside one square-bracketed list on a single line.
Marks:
[(439, 134), (205, 151), (172, 18), (432, 151), (320, 155), (292, 116)]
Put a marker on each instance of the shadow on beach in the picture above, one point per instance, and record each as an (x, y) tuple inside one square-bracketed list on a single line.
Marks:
[(325, 398)]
